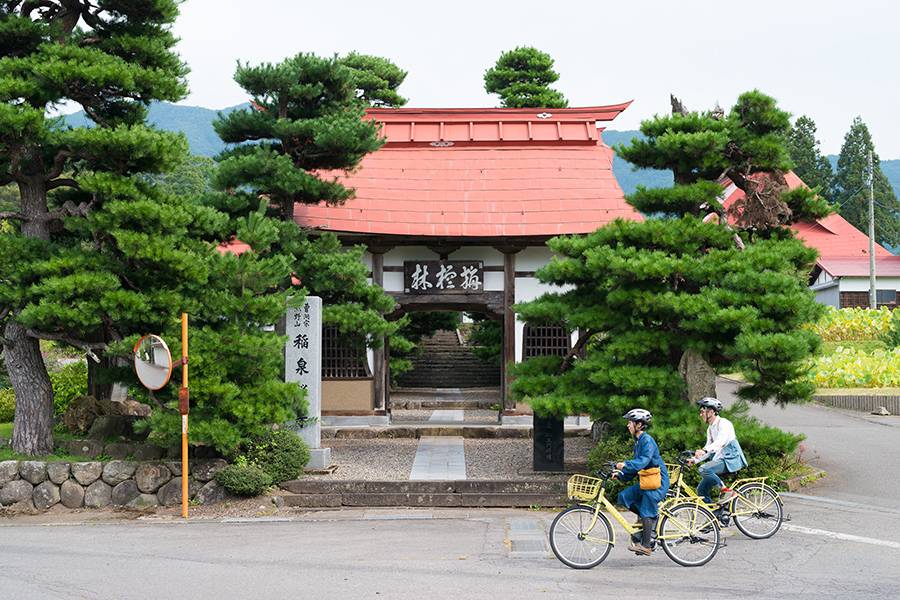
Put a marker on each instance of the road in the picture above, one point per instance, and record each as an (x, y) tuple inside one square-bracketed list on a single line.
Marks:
[(859, 452), (418, 554), (832, 547)]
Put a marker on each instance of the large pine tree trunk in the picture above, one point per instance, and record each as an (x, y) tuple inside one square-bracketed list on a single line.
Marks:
[(33, 426), (699, 377)]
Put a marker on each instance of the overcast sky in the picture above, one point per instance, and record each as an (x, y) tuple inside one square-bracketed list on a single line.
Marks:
[(831, 60)]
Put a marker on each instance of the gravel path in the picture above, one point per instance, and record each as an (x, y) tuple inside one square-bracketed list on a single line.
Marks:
[(392, 459), (372, 460), (511, 458)]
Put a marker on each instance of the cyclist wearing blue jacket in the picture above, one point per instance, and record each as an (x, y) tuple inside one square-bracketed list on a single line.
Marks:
[(645, 503)]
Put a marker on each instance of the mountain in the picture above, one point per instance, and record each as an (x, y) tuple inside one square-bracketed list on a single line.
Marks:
[(194, 121), (196, 124)]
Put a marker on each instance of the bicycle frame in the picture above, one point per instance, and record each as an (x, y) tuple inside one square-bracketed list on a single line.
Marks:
[(691, 495), (602, 502)]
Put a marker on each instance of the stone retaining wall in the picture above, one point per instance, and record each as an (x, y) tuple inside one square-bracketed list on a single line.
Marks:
[(862, 403), (31, 484)]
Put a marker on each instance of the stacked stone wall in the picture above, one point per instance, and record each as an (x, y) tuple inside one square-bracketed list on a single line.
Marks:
[(39, 485)]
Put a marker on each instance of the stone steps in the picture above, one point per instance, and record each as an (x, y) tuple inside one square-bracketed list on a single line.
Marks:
[(474, 431), (442, 404), (444, 362), (466, 493)]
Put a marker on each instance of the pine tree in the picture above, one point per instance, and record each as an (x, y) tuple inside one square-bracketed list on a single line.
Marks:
[(522, 79), (305, 125), (68, 268), (809, 164), (851, 191), (376, 79), (644, 295), (237, 366)]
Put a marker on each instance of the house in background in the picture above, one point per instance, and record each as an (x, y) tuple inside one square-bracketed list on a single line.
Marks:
[(840, 277)]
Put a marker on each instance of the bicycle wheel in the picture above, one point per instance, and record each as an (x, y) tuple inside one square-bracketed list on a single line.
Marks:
[(757, 511), (573, 544), (689, 534)]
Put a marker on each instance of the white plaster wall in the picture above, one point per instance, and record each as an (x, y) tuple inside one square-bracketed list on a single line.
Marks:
[(395, 257), (861, 284), (393, 282), (529, 288), (823, 278), (491, 257), (532, 258), (829, 296)]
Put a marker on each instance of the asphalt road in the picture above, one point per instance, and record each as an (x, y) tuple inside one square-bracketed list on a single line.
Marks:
[(859, 452), (494, 554)]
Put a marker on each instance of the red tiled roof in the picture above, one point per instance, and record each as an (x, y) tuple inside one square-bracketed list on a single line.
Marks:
[(481, 173), (885, 266), (833, 236)]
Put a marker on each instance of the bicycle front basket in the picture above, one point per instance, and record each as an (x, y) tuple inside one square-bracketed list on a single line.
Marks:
[(582, 487)]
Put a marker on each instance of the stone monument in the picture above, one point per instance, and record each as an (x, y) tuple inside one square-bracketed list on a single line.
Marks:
[(303, 366)]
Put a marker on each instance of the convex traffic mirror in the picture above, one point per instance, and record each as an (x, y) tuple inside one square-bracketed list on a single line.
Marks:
[(152, 362)]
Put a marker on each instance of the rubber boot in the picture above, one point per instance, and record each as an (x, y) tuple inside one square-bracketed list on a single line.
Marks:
[(648, 534)]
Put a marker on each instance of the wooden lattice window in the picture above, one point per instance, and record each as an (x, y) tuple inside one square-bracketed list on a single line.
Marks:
[(342, 357), (854, 299), (545, 340), (861, 299)]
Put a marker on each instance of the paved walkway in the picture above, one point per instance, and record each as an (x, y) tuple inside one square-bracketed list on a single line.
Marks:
[(448, 415), (439, 459), (859, 452)]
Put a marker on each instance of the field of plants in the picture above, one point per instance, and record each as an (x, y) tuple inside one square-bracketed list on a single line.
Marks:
[(861, 349)]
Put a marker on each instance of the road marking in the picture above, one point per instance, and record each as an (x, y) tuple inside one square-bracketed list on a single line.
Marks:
[(836, 502), (841, 536)]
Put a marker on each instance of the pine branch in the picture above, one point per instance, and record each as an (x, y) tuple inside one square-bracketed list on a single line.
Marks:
[(59, 162), (576, 348), (88, 347), (63, 182)]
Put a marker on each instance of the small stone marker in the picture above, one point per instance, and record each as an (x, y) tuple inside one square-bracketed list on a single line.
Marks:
[(303, 366)]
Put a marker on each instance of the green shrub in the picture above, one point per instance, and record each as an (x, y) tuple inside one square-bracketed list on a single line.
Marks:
[(69, 382), (891, 337), (770, 451), (852, 324), (280, 453), (7, 405), (243, 479)]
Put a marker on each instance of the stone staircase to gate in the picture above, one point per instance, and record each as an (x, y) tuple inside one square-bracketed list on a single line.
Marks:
[(311, 493), (446, 363)]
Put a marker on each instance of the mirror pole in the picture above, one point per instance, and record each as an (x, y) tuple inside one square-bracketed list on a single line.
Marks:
[(184, 406)]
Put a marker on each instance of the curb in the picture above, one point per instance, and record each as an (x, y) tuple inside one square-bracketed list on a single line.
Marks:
[(795, 483)]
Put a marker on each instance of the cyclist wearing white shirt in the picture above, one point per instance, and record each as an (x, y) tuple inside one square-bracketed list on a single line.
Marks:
[(721, 447)]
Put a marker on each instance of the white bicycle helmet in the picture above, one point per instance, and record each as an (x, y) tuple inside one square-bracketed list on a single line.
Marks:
[(710, 402), (638, 414)]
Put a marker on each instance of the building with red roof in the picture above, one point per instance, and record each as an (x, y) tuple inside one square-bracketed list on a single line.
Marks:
[(455, 210), (841, 275)]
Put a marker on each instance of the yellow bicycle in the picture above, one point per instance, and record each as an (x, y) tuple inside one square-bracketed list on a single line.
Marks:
[(755, 507), (581, 536)]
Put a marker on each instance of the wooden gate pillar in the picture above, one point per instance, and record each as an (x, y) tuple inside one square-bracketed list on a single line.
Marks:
[(378, 355), (509, 325)]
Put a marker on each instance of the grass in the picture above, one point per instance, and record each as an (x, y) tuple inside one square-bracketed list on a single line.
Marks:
[(6, 430), (8, 454), (862, 346)]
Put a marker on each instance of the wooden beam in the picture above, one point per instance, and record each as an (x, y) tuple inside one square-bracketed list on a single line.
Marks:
[(480, 302), (509, 327), (378, 353)]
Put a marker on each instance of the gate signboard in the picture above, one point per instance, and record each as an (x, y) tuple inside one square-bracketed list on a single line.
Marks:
[(443, 276)]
